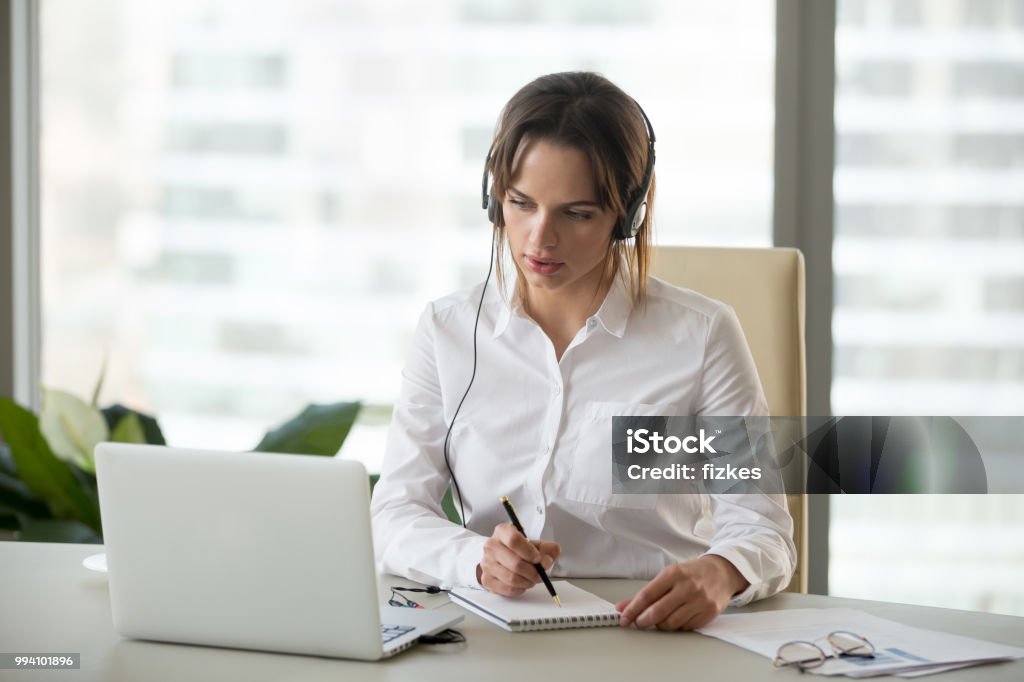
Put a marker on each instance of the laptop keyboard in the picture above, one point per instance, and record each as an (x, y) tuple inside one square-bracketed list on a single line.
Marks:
[(389, 632)]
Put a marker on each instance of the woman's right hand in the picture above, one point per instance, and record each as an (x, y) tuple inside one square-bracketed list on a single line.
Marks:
[(507, 565)]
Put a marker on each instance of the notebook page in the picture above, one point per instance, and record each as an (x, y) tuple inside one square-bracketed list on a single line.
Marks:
[(536, 604)]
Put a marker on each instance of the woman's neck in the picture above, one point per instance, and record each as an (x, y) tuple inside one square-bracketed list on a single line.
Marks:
[(561, 314)]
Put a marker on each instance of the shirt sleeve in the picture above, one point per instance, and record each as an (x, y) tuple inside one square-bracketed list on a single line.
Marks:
[(754, 532), (412, 536)]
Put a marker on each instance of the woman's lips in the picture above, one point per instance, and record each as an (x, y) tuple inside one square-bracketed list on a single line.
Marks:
[(543, 267)]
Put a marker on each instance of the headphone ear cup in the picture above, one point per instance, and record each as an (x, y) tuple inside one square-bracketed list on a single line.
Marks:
[(638, 218), (630, 223), (492, 208)]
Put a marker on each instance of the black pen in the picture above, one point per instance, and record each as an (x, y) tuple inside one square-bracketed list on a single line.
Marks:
[(540, 569)]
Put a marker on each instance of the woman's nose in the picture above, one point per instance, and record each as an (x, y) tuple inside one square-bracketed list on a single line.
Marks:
[(542, 231)]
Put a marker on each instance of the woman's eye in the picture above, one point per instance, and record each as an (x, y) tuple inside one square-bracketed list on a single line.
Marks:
[(573, 215), (517, 203)]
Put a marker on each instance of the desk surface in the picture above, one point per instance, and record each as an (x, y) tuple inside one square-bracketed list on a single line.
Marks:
[(50, 603)]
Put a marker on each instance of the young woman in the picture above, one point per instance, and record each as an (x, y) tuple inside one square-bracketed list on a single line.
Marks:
[(574, 333)]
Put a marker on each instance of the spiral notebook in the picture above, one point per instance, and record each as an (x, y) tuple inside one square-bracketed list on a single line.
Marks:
[(535, 610)]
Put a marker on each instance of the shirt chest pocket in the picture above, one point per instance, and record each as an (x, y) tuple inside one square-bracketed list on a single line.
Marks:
[(589, 477)]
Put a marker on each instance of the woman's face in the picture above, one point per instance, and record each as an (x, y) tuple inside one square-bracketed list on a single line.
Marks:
[(558, 234)]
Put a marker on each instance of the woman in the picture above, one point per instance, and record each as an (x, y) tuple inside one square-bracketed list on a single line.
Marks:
[(576, 332)]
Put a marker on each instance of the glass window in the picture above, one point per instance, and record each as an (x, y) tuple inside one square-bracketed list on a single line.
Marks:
[(929, 280), (247, 203), (231, 137)]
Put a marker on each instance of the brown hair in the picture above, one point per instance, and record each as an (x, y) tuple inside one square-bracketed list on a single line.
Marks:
[(586, 111)]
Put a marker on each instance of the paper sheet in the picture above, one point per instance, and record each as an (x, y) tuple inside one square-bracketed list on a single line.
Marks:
[(898, 647)]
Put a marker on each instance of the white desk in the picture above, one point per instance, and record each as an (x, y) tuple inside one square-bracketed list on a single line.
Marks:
[(50, 603)]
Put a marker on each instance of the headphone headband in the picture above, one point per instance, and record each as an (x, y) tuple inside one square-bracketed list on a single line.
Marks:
[(636, 211)]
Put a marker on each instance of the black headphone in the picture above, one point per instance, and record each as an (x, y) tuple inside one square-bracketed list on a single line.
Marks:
[(636, 209)]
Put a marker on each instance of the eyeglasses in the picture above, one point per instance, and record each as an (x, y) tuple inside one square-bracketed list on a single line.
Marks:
[(805, 655)]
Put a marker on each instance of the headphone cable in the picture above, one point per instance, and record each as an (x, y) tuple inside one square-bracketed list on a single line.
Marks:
[(447, 437)]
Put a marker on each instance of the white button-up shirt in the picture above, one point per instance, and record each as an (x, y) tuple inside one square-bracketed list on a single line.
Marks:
[(538, 429)]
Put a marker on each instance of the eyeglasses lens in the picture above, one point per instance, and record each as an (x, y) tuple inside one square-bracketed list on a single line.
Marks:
[(850, 644), (800, 654)]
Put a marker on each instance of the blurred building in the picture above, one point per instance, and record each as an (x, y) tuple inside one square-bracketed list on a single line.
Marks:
[(263, 196), (929, 279)]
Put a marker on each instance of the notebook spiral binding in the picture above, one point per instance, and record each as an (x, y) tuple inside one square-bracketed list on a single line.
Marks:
[(568, 622)]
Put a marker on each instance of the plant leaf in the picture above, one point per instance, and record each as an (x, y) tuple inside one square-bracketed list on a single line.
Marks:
[(115, 413), (128, 430), (450, 510), (99, 382), (71, 427), (317, 430), (6, 461), (87, 482), (46, 476), (15, 496), (8, 521), (57, 530)]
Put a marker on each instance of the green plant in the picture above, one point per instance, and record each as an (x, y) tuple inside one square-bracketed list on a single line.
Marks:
[(48, 477)]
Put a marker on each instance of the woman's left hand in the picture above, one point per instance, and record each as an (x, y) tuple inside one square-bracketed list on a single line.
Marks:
[(684, 596)]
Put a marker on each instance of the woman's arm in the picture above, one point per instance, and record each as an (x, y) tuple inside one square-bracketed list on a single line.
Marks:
[(412, 536), (752, 553), (754, 532)]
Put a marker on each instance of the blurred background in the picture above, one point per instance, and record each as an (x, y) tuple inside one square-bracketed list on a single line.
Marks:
[(246, 204)]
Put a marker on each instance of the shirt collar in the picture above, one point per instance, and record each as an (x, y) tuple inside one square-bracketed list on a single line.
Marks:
[(613, 313), (504, 315)]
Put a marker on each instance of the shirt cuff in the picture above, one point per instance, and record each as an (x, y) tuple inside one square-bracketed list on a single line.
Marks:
[(456, 569), (736, 558), (470, 555)]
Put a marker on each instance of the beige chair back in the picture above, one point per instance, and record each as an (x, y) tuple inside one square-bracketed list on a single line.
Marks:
[(766, 289)]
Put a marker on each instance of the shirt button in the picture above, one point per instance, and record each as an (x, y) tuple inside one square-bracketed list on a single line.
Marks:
[(540, 509), (591, 322), (558, 389)]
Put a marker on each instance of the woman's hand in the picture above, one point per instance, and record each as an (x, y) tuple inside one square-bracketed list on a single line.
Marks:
[(684, 596), (507, 565)]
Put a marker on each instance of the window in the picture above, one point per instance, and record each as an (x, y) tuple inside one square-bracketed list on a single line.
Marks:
[(929, 263), (246, 204)]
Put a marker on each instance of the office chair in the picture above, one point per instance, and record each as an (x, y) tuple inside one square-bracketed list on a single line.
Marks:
[(766, 289)]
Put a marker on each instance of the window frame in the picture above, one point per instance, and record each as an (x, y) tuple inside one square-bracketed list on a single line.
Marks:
[(20, 304), (805, 41)]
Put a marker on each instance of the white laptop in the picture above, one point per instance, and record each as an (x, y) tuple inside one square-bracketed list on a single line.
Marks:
[(247, 550)]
